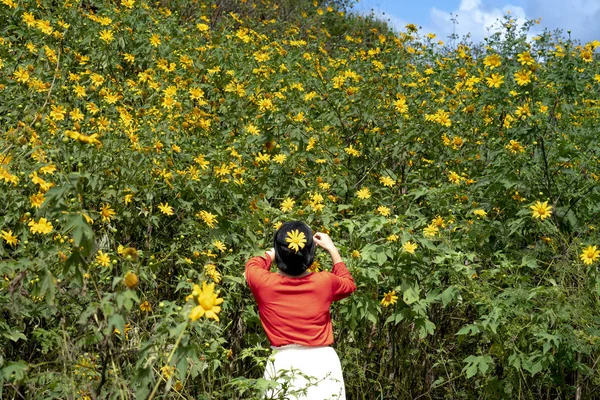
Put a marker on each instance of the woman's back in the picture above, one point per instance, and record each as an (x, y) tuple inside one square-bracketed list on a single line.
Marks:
[(296, 310)]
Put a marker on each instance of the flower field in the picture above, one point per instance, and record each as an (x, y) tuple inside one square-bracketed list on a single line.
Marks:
[(148, 149)]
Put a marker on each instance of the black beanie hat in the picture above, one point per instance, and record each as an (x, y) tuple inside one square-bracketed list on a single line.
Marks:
[(289, 260)]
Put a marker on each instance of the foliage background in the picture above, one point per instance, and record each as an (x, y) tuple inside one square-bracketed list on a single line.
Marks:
[(157, 138)]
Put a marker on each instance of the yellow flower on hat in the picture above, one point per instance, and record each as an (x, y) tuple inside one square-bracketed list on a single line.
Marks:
[(296, 240)]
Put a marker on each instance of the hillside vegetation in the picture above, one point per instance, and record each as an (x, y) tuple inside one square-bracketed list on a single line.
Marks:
[(148, 149)]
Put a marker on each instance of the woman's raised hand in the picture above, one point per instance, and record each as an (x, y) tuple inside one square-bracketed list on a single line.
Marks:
[(271, 253), (324, 241)]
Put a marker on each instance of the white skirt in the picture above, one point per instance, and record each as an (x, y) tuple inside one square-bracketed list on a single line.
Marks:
[(305, 373)]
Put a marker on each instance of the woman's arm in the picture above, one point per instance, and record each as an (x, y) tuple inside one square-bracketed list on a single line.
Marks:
[(342, 282), (257, 267)]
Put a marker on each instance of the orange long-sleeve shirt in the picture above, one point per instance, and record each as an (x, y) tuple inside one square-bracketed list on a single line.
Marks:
[(296, 310)]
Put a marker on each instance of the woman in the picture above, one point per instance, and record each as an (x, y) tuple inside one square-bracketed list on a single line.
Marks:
[(293, 304)]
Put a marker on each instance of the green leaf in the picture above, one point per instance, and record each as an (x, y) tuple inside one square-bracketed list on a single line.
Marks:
[(515, 361), (78, 230), (182, 366), (410, 295), (471, 370), (127, 299), (426, 328), (419, 193), (372, 318), (529, 261), (48, 287), (75, 260), (83, 234), (381, 258), (535, 368), (484, 364), (118, 322), (236, 279), (55, 195), (176, 331), (428, 244), (547, 346), (468, 330), (448, 295), (15, 371), (14, 335)]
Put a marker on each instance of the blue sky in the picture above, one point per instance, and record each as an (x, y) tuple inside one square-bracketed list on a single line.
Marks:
[(476, 16)]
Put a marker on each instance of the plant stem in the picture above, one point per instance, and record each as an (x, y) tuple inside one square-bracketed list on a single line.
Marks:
[(168, 363)]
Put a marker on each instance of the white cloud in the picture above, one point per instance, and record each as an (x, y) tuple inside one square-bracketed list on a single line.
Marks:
[(579, 16), (479, 19), (474, 18)]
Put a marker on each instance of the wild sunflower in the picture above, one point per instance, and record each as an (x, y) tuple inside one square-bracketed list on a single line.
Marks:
[(389, 298), (43, 226), (287, 204), (9, 237), (541, 210), (363, 193), (166, 209), (103, 259), (107, 213), (430, 230), (145, 306), (590, 255), (409, 247), (207, 302)]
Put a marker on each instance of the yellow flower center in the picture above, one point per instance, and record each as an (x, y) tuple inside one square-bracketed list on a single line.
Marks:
[(206, 302)]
